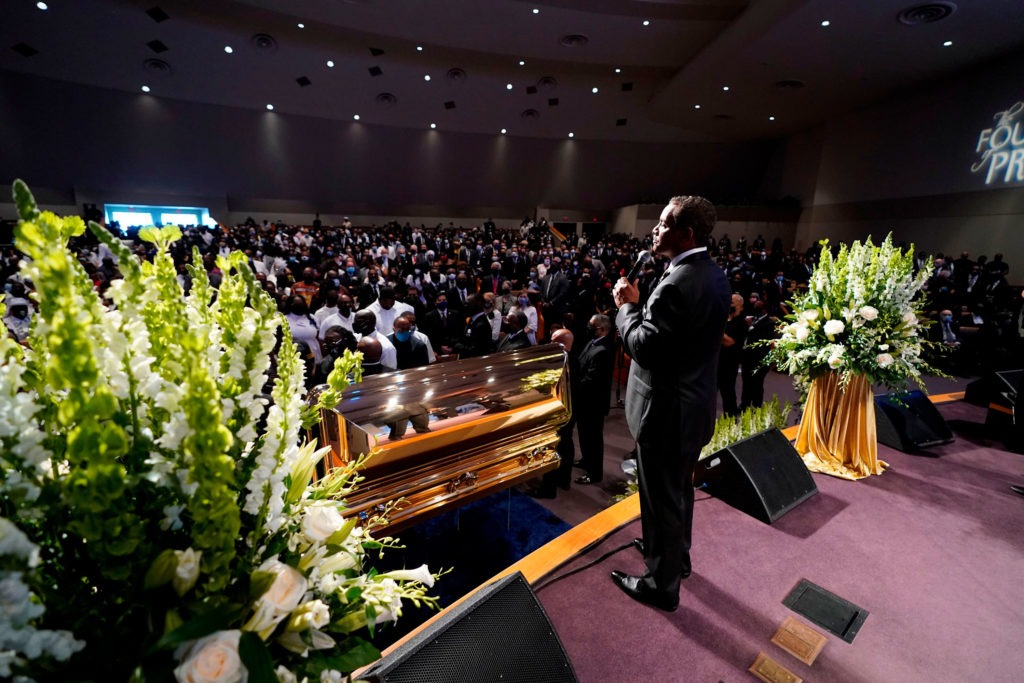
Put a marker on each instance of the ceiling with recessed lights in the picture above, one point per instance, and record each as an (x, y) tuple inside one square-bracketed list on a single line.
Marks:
[(622, 70)]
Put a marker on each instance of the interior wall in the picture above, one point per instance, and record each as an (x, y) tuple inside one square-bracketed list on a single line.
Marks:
[(126, 145), (905, 165)]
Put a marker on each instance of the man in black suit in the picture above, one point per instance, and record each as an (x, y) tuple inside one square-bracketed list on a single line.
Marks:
[(514, 337), (762, 328), (443, 326), (590, 404), (410, 351), (730, 355), (477, 340), (673, 341)]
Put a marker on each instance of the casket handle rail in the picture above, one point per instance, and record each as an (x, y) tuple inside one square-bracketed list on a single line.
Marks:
[(466, 479)]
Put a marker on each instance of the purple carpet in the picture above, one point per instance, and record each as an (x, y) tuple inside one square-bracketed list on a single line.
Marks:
[(933, 550)]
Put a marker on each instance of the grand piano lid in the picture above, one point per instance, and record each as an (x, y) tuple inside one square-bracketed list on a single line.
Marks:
[(442, 409)]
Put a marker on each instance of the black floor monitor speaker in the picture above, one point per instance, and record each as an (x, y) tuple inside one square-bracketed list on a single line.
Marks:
[(762, 476), (983, 390), (500, 633), (909, 421)]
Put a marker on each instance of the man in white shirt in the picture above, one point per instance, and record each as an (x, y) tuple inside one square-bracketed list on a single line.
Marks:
[(344, 316), (364, 325), (386, 309)]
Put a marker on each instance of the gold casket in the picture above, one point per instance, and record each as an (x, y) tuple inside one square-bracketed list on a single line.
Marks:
[(448, 433)]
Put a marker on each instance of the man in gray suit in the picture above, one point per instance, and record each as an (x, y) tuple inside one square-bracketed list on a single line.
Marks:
[(673, 342)]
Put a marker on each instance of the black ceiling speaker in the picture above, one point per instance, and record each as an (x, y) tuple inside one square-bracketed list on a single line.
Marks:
[(157, 67), (574, 40), (456, 76), (386, 99), (927, 13), (263, 41)]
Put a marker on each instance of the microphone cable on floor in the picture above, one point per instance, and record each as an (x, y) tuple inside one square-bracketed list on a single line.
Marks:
[(539, 586)]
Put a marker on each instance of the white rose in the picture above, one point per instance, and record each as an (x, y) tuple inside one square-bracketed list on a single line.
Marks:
[(187, 570), (884, 360), (868, 312), (835, 361), (283, 596), (834, 327), (320, 521), (909, 318), (802, 333), (810, 315), (213, 659)]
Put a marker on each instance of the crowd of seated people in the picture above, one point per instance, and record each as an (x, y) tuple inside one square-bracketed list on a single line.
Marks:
[(462, 291)]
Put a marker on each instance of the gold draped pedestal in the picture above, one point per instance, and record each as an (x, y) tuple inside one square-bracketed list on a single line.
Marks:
[(837, 433)]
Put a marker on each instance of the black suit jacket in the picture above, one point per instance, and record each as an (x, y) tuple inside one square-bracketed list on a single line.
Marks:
[(595, 378), (511, 342), (673, 341), (443, 330), (477, 341)]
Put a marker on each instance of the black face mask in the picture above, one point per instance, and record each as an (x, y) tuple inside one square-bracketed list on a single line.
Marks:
[(344, 309), (505, 327), (300, 309)]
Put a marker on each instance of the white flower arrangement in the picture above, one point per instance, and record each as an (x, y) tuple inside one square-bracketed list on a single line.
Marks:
[(157, 514), (859, 315)]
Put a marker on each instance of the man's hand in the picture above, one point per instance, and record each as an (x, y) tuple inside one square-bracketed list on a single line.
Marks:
[(625, 292)]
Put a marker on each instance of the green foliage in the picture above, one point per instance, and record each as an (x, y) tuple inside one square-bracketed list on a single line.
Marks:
[(163, 493)]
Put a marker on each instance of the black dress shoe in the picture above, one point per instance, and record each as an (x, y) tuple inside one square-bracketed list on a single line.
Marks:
[(584, 480), (1017, 489), (637, 588), (638, 543)]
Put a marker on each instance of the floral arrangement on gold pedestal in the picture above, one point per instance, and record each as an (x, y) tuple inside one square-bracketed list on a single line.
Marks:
[(157, 520), (859, 322)]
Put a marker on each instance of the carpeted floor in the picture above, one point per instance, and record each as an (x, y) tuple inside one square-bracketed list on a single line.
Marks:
[(933, 550)]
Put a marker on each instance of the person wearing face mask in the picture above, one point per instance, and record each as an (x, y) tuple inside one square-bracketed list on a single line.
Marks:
[(524, 306), (410, 351), (442, 325), (730, 355), (592, 401), (343, 316), (365, 326), (947, 333), (18, 318), (303, 326), (506, 300)]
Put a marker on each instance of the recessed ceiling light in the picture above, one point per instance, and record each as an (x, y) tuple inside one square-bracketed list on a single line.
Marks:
[(270, 107), (572, 135), (618, 71), (826, 23), (593, 90), (356, 117), (696, 106), (647, 22), (508, 86), (43, 6), (228, 49), (419, 48), (301, 25), (426, 77), (433, 125), (504, 130), (536, 11), (145, 88), (948, 43), (330, 63), (522, 62), (725, 88), (771, 118)]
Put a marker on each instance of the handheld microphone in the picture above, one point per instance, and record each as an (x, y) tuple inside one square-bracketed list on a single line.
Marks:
[(642, 258)]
